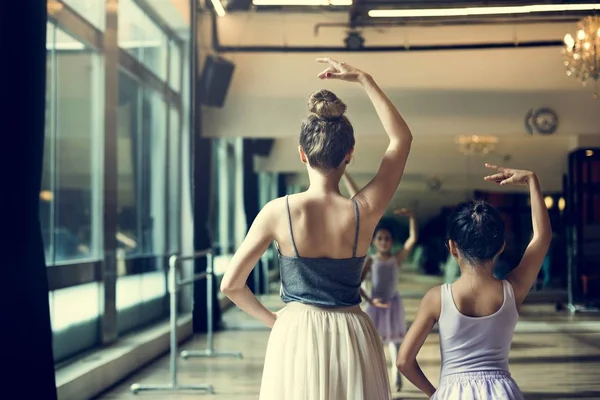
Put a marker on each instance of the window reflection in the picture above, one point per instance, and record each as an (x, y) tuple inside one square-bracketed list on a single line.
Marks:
[(70, 192)]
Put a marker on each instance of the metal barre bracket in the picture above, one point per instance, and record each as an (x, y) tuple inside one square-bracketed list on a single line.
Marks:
[(210, 352), (173, 285)]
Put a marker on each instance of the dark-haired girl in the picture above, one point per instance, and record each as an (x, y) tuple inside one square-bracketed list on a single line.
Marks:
[(323, 346), (477, 314)]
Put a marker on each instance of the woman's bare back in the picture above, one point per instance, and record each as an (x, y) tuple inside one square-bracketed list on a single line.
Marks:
[(323, 226)]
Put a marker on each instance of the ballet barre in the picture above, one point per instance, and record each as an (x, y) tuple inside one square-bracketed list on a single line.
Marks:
[(173, 285), (210, 351)]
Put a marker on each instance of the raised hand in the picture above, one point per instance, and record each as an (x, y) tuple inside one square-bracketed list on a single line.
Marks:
[(340, 70), (508, 176)]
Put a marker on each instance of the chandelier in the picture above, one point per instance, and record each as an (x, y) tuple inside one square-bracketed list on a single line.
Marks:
[(582, 52), (476, 145)]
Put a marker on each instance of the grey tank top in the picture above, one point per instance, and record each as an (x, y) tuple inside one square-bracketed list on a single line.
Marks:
[(322, 282), (470, 344)]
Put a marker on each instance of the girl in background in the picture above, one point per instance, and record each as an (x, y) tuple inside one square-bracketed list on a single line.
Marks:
[(385, 306), (477, 314)]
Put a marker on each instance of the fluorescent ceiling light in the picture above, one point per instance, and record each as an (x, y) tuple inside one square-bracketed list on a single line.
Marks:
[(218, 6), (467, 11), (302, 2)]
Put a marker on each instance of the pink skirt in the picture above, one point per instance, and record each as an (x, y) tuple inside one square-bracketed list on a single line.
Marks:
[(389, 322)]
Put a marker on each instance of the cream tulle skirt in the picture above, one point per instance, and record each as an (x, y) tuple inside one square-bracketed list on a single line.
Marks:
[(324, 354)]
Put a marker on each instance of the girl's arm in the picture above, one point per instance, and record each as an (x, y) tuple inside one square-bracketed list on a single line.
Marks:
[(254, 245), (350, 184), (523, 277), (365, 272), (427, 316), (376, 195), (409, 245)]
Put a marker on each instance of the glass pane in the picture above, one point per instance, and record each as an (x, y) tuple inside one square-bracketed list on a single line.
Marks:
[(70, 196), (74, 305), (154, 173), (91, 10), (48, 173), (141, 169), (141, 37), (174, 181), (128, 127), (175, 66)]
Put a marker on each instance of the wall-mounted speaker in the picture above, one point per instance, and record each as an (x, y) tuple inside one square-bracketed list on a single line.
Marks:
[(214, 81)]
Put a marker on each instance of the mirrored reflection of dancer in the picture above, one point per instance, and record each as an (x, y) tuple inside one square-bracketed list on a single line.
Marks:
[(385, 308), (322, 345), (477, 314)]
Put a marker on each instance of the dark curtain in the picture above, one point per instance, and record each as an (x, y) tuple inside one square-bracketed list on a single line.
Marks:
[(25, 318)]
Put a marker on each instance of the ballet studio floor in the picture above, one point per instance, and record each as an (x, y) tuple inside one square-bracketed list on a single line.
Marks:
[(554, 356)]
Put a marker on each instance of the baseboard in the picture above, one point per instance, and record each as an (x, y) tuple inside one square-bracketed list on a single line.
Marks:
[(101, 369)]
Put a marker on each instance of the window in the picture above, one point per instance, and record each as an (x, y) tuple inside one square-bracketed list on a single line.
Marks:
[(174, 66), (141, 168), (70, 198), (141, 37), (91, 10)]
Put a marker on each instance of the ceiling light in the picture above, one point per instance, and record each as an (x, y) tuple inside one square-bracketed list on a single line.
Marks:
[(549, 201), (468, 11), (302, 2), (218, 6), (562, 204)]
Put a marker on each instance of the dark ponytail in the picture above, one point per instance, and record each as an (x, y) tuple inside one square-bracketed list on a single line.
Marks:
[(477, 230)]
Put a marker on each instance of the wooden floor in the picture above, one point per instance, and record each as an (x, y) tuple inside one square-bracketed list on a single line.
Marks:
[(554, 356)]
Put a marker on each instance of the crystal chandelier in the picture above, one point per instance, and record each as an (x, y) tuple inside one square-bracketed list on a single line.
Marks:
[(582, 52), (476, 145)]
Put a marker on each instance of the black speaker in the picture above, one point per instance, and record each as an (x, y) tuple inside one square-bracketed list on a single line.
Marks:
[(215, 80), (262, 147)]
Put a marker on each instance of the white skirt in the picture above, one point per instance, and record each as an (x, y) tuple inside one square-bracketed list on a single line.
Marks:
[(483, 385), (324, 354)]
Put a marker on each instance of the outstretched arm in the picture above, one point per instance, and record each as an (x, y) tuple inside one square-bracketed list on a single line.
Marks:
[(376, 195), (350, 184), (427, 315), (254, 245), (409, 245), (523, 277)]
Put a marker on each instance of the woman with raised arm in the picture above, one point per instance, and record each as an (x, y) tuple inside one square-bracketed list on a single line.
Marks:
[(322, 346), (477, 314)]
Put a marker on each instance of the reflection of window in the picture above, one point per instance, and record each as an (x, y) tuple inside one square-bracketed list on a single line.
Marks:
[(70, 196), (174, 66), (91, 10), (141, 168), (140, 36)]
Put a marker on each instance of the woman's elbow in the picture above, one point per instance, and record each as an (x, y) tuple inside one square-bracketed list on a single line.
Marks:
[(402, 362), (227, 287)]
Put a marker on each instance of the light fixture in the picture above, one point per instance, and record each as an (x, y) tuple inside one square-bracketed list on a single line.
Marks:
[(354, 41), (218, 6), (302, 2), (582, 52), (46, 195), (54, 6), (476, 144), (549, 201), (562, 204), (589, 153), (469, 11)]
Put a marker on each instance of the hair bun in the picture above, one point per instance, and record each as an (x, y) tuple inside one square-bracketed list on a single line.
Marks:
[(326, 105)]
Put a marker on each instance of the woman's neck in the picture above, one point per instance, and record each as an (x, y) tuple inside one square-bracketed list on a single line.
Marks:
[(324, 183)]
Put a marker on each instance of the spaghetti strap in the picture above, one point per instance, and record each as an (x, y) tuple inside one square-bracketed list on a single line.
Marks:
[(289, 215), (357, 216)]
